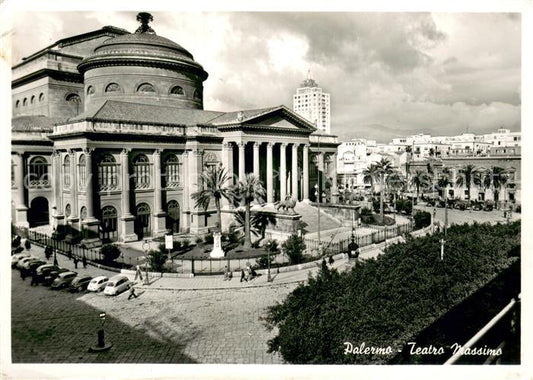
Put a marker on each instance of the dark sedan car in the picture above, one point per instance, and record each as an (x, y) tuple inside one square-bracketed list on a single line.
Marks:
[(52, 275), (63, 280), (80, 283)]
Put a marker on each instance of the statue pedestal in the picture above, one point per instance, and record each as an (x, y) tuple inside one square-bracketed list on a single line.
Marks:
[(217, 246)]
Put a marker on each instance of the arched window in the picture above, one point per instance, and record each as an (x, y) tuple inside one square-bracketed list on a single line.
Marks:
[(107, 173), (41, 97), (177, 90), (66, 172), (109, 224), (113, 87), (142, 220), (90, 90), (172, 171), (68, 210), (198, 94), (141, 169), (17, 104), (74, 100), (146, 87), (25, 102), (38, 172), (32, 100), (173, 216), (83, 213), (82, 172)]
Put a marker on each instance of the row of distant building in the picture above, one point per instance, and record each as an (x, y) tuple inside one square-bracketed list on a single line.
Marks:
[(484, 151)]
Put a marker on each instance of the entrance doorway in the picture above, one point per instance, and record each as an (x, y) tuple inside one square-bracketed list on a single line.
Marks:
[(173, 217), (38, 214), (142, 221)]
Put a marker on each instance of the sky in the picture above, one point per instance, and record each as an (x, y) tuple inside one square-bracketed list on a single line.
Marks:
[(389, 74)]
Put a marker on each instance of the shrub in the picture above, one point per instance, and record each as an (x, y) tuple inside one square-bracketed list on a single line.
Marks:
[(110, 252), (157, 260), (262, 262), (199, 241), (294, 247), (177, 245), (209, 239), (404, 206), (186, 243), (422, 219)]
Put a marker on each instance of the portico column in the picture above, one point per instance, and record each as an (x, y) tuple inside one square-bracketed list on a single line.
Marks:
[(269, 183), (127, 219), (242, 173), (20, 206), (294, 189), (73, 186), (283, 171), (256, 158), (157, 181), (90, 224), (305, 169), (334, 190)]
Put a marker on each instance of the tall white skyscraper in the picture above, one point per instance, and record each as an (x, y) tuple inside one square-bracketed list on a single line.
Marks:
[(313, 104)]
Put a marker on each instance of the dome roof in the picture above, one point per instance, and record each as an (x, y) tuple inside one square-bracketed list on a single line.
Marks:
[(142, 48)]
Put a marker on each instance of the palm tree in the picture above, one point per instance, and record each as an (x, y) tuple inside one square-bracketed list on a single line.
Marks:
[(418, 180), (370, 175), (495, 178), (468, 175), (214, 185), (384, 168), (443, 182), (249, 190), (396, 182)]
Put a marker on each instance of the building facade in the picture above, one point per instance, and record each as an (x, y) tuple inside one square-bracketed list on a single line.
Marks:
[(109, 138), (312, 103)]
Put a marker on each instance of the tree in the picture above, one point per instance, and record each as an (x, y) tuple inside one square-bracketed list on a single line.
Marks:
[(468, 175), (418, 180), (214, 185), (294, 247), (249, 190), (157, 259), (110, 252), (396, 182), (495, 178), (384, 168), (370, 175)]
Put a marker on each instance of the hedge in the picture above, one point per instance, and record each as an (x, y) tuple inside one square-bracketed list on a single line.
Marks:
[(387, 301)]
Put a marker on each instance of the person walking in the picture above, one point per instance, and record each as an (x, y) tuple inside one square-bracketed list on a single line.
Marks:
[(132, 293), (84, 262), (75, 262), (34, 279), (243, 276), (69, 254)]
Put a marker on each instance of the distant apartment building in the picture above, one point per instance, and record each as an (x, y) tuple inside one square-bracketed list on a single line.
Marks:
[(312, 103)]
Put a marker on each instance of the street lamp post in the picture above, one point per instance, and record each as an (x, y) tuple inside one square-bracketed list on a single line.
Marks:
[(269, 278), (442, 242), (146, 248)]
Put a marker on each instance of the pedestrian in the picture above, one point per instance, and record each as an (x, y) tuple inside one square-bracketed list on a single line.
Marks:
[(75, 262), (243, 276), (132, 293), (331, 261), (69, 254), (138, 273), (48, 252), (227, 273), (84, 262), (23, 274), (34, 279), (27, 244)]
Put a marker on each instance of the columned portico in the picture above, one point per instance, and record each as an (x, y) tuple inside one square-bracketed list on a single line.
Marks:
[(242, 173), (256, 158), (305, 168), (159, 214), (20, 204), (90, 224), (283, 171), (269, 184), (127, 220), (294, 172)]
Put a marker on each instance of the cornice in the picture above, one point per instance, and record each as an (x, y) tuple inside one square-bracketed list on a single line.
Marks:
[(65, 76)]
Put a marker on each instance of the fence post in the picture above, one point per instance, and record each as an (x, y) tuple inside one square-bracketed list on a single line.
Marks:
[(192, 266)]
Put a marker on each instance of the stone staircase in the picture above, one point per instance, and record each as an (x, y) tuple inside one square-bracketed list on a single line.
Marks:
[(309, 216)]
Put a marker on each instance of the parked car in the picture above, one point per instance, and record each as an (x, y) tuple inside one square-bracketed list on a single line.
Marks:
[(117, 284), (24, 260), (489, 206), (63, 280), (97, 284), (27, 264), (52, 275), (35, 264), (18, 256), (80, 283)]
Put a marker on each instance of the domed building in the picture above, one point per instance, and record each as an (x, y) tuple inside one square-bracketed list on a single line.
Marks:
[(110, 137)]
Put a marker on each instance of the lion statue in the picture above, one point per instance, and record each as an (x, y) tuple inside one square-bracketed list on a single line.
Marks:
[(287, 205)]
